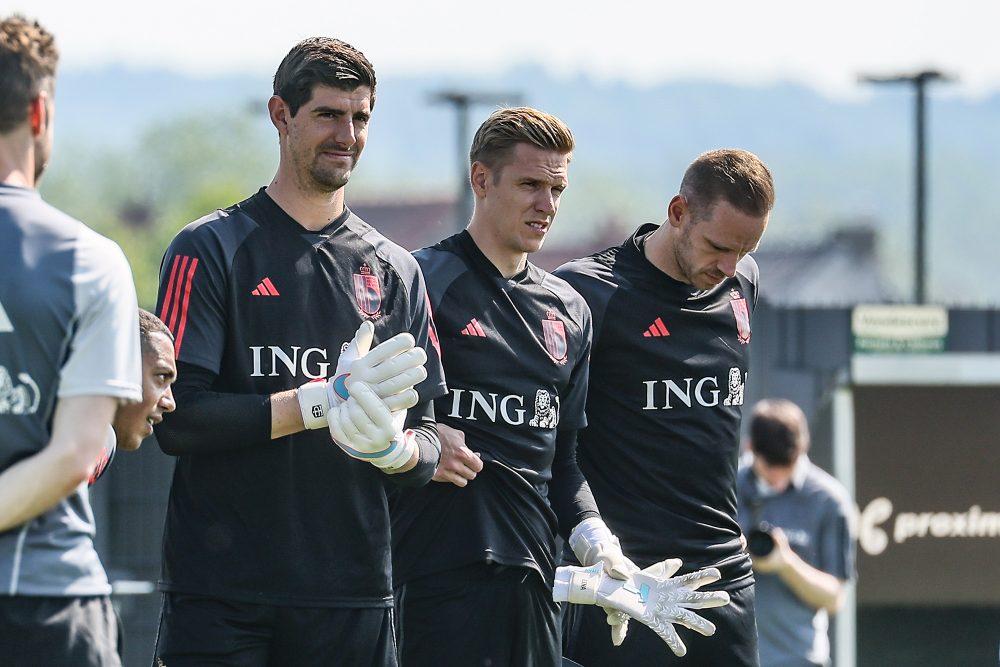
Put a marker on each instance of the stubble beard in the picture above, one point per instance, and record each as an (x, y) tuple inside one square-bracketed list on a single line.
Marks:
[(682, 250), (329, 179)]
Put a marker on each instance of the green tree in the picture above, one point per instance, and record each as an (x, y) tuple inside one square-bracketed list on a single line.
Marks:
[(177, 171)]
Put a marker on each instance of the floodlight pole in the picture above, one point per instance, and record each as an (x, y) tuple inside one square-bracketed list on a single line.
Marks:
[(919, 81), (462, 101)]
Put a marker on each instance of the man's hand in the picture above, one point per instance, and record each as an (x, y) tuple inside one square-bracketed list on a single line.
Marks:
[(593, 542), (777, 560), (395, 366), (459, 464), (370, 428), (652, 596)]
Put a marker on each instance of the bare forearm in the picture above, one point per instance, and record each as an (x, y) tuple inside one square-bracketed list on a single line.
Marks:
[(818, 589), (286, 417)]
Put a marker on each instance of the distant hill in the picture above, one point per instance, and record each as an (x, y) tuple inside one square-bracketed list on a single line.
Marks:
[(834, 161)]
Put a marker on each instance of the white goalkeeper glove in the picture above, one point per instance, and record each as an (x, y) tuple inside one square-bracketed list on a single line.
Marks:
[(370, 428), (394, 366), (593, 542), (652, 596)]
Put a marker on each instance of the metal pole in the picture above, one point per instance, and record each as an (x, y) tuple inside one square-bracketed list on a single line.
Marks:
[(464, 212), (462, 101), (920, 191), (919, 81)]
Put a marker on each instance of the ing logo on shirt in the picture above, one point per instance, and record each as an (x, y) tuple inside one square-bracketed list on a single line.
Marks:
[(21, 399), (671, 393), (475, 405), (546, 414)]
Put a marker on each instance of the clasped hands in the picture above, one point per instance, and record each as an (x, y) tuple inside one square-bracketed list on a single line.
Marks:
[(364, 404)]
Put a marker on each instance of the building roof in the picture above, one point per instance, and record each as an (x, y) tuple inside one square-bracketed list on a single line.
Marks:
[(840, 270)]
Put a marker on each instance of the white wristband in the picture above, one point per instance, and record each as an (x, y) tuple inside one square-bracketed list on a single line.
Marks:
[(313, 403), (577, 584)]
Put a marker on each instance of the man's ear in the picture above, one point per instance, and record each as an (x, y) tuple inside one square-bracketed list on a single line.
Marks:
[(280, 114), (480, 177), (676, 210), (38, 113)]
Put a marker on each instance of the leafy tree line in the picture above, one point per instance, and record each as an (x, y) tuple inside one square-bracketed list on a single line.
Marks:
[(178, 171)]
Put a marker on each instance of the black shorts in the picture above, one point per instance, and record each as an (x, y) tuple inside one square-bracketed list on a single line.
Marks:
[(59, 631), (482, 614), (587, 638), (197, 631)]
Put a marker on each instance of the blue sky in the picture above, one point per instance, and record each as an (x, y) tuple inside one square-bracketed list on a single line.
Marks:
[(824, 45)]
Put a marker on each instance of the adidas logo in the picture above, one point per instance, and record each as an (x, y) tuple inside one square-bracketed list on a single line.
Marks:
[(473, 329), (656, 329), (265, 288)]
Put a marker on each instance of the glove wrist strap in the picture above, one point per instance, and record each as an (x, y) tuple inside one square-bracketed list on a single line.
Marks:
[(313, 403), (577, 585), (588, 538), (401, 451)]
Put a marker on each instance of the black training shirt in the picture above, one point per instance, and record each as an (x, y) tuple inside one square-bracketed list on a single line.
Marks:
[(515, 353), (264, 305), (667, 376)]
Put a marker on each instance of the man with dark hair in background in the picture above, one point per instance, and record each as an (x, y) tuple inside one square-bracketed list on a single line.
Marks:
[(798, 520), (671, 309), (276, 545), (69, 356), (134, 423)]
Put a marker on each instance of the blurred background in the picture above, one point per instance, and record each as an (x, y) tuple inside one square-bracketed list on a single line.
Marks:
[(879, 120)]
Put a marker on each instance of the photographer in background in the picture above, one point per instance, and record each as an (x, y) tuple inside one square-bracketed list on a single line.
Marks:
[(796, 519)]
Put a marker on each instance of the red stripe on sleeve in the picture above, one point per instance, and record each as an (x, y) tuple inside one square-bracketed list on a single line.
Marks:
[(178, 286), (431, 330), (169, 294), (188, 280)]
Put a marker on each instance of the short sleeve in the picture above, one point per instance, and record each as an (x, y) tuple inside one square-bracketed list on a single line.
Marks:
[(837, 544), (104, 357)]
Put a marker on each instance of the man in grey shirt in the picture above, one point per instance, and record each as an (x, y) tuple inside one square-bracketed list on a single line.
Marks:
[(796, 517), (69, 356)]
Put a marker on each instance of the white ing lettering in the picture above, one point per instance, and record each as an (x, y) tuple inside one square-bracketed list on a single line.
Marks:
[(669, 394), (518, 417), (915, 525), (475, 405), (292, 361)]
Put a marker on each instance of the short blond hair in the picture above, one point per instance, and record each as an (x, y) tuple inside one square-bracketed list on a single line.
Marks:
[(505, 128)]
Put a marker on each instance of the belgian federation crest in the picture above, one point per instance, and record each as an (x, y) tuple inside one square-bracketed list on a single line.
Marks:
[(742, 314), (367, 291), (555, 338)]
